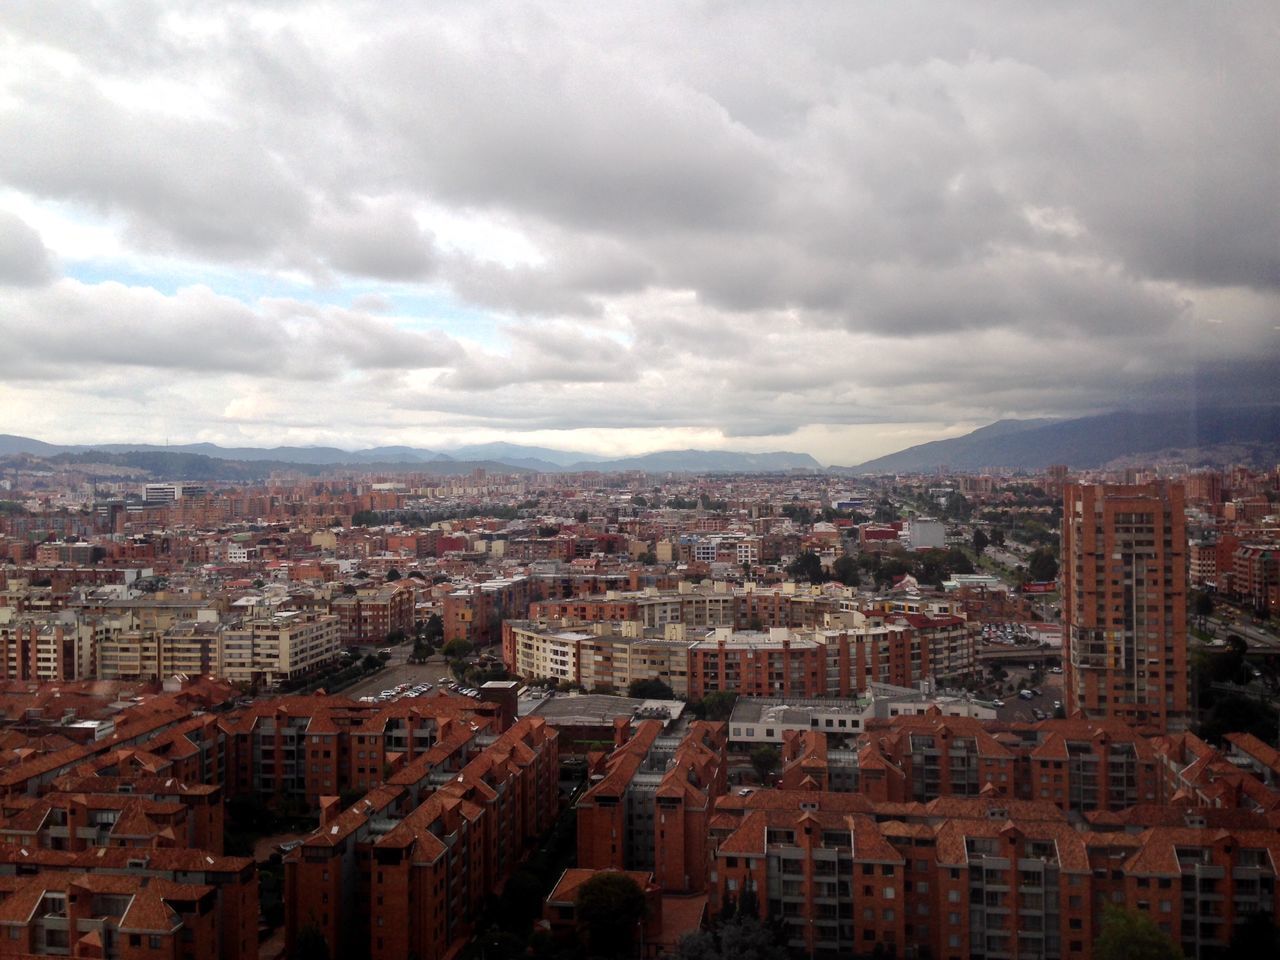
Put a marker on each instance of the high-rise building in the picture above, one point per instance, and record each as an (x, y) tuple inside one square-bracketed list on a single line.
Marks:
[(1124, 603)]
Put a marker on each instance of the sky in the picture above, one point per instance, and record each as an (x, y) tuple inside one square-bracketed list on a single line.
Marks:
[(837, 228)]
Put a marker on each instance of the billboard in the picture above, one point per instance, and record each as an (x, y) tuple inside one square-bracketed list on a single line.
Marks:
[(1050, 586)]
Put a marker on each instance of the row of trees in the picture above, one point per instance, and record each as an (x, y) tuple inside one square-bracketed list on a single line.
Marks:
[(807, 567)]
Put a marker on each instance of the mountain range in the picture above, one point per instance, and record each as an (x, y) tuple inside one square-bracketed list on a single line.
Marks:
[(1201, 436), (1207, 436), (492, 456)]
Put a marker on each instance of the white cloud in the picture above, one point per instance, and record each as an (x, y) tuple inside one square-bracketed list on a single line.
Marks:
[(742, 225)]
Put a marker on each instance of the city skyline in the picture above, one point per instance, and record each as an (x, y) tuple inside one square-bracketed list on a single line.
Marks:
[(841, 232)]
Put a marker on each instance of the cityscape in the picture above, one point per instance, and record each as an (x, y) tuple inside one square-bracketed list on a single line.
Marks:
[(524, 481)]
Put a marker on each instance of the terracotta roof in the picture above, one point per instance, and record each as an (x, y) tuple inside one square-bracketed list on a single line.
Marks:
[(148, 913), (566, 888)]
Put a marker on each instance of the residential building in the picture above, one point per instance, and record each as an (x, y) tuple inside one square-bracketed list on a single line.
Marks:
[(1124, 603)]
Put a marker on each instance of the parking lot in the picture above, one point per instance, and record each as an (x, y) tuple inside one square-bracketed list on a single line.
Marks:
[(393, 676), (1023, 710)]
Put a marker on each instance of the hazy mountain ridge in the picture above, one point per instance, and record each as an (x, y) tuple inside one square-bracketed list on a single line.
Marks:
[(1092, 442), (168, 465), (496, 457), (706, 461)]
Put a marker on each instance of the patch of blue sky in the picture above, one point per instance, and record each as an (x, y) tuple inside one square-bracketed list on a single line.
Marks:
[(418, 306)]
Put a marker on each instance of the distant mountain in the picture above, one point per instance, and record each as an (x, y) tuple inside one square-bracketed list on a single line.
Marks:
[(170, 465), (1205, 435), (494, 457), (705, 461), (400, 455), (519, 453), (10, 445)]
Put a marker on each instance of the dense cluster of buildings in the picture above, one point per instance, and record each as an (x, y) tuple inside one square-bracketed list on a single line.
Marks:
[(889, 647), (951, 837), (111, 844), (904, 816)]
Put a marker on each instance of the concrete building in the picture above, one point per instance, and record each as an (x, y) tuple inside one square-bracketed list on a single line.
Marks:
[(280, 646), (767, 720)]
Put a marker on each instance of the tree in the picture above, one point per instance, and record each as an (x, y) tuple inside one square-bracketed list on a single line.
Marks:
[(980, 541), (458, 649), (370, 663), (997, 536), (610, 906), (807, 566), (957, 507), (392, 575), (765, 759), (739, 936), (718, 705), (310, 944), (845, 569), (521, 899), (433, 630), (1042, 566), (652, 689), (1203, 605), (1127, 935), (364, 518)]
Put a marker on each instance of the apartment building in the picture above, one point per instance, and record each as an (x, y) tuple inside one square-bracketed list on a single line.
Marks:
[(406, 869), (780, 662), (278, 646), (1256, 576), (173, 904), (650, 801), (757, 665), (475, 614), (613, 662), (370, 613), (982, 876), (300, 749), (1124, 603)]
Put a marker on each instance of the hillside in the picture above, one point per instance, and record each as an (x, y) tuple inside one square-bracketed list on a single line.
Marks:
[(1202, 436)]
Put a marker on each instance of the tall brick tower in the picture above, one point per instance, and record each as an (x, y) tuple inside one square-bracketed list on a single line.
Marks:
[(1124, 603)]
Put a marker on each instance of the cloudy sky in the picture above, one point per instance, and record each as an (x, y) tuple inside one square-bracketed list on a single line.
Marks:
[(841, 228)]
